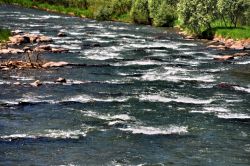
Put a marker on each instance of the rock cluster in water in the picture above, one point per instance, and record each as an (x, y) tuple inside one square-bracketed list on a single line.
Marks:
[(21, 38), (31, 52)]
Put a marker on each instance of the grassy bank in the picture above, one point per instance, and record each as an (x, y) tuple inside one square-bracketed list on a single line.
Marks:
[(134, 11), (4, 35), (234, 33), (93, 11)]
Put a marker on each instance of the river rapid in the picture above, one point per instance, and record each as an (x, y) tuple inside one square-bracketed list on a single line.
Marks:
[(146, 96)]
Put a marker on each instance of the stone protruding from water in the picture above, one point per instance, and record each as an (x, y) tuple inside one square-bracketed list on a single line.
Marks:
[(24, 38)]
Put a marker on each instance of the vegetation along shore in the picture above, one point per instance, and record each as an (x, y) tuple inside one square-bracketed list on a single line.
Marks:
[(202, 19)]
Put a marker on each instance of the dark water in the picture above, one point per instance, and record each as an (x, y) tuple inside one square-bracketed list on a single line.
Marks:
[(146, 97)]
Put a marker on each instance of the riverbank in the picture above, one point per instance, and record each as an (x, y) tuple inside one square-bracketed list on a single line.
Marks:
[(100, 11)]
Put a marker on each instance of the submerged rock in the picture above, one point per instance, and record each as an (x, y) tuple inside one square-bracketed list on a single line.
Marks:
[(224, 85)]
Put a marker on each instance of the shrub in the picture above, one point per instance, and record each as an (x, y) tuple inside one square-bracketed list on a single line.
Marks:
[(166, 16), (139, 12), (120, 7), (103, 13)]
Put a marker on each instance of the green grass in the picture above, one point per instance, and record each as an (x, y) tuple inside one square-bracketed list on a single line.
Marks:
[(234, 33), (4, 35), (220, 29), (55, 8)]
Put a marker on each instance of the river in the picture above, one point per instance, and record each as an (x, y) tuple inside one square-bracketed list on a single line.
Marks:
[(145, 97)]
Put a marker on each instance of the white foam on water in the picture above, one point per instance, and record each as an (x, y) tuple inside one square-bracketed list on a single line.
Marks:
[(68, 41), (86, 99), (233, 116), (175, 74), (243, 63), (36, 25), (247, 148), (96, 39), (2, 82), (73, 134), (107, 34), (113, 119), (102, 54), (15, 136), (98, 26), (70, 47), (211, 110), (242, 89), (63, 134), (112, 123), (9, 102), (178, 99), (156, 130), (29, 18), (50, 16), (76, 33), (154, 45), (21, 78), (138, 62)]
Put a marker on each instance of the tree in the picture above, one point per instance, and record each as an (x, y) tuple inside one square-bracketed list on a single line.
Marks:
[(165, 16), (231, 10), (197, 15)]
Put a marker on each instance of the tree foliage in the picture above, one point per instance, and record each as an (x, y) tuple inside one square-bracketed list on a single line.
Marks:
[(165, 16), (140, 12), (197, 15), (232, 10)]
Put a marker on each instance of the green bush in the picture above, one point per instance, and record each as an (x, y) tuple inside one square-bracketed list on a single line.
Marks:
[(197, 15), (166, 16), (120, 7), (103, 13), (140, 12), (153, 6)]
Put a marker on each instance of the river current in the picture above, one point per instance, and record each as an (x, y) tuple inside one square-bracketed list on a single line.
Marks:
[(146, 96)]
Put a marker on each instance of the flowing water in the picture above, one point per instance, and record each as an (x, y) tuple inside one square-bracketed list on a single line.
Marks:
[(146, 96)]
